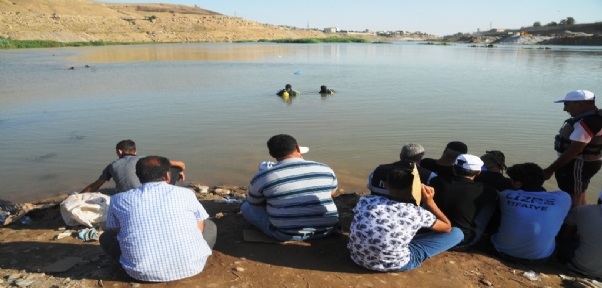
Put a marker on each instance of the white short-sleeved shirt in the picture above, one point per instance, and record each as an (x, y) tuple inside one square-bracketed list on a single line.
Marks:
[(159, 235), (381, 231)]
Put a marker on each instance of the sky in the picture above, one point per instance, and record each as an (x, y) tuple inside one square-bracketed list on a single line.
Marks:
[(437, 17)]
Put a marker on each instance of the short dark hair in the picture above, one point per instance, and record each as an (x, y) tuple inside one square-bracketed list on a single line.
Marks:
[(288, 86), (400, 179), (152, 169), (529, 174), (126, 146), (459, 171), (281, 145)]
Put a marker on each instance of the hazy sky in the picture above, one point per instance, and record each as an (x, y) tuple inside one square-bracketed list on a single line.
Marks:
[(439, 17)]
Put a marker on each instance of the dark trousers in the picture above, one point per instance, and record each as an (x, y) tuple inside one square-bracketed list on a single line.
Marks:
[(108, 240)]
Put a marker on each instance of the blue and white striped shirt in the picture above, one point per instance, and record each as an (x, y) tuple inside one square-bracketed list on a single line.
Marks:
[(159, 235), (298, 195)]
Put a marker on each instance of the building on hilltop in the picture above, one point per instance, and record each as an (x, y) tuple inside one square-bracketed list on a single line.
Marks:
[(331, 30)]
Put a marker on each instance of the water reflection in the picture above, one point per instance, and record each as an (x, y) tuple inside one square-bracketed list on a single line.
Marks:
[(222, 52)]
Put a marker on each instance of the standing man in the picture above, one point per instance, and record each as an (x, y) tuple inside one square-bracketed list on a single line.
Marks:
[(293, 199), (123, 170), (409, 153), (578, 144), (158, 232)]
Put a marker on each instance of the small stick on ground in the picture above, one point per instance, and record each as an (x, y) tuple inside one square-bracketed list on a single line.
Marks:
[(338, 276), (236, 275)]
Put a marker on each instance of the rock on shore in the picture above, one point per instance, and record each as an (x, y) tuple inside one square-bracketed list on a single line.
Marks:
[(522, 39)]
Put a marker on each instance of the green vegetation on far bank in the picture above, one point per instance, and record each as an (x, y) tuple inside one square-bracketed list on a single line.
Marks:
[(382, 42), (7, 43)]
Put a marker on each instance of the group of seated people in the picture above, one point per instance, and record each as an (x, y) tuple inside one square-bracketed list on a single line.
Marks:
[(418, 207)]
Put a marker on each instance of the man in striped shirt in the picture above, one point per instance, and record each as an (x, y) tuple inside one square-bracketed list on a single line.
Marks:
[(293, 199)]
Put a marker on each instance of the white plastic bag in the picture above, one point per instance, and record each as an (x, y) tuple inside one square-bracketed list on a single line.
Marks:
[(85, 208)]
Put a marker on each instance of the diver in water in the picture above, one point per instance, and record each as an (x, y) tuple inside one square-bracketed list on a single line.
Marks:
[(288, 91), (324, 90)]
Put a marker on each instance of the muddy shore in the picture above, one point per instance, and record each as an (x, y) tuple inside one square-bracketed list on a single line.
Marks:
[(28, 250)]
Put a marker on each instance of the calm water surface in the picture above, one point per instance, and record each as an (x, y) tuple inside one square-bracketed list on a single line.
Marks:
[(214, 107)]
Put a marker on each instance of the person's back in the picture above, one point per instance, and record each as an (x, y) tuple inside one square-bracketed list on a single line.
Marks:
[(123, 172), (466, 203), (292, 200), (588, 220), (293, 204), (160, 228)]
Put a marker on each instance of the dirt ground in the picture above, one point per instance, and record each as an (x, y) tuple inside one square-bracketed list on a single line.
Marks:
[(26, 249)]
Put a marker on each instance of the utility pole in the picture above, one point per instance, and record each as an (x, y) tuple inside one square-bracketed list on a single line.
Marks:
[(307, 25)]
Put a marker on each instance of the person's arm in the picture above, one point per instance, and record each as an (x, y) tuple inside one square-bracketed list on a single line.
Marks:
[(567, 156), (94, 186), (442, 224), (180, 165), (201, 225), (333, 192)]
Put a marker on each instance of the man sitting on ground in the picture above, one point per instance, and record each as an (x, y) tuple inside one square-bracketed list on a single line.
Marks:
[(531, 216), (383, 232), (583, 226), (468, 204), (410, 153), (495, 163), (123, 170), (444, 165), (293, 199), (158, 232)]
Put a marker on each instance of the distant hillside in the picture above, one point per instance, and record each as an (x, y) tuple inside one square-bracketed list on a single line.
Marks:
[(83, 20)]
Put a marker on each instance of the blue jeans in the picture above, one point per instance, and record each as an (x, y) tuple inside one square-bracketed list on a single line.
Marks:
[(427, 245), (258, 216)]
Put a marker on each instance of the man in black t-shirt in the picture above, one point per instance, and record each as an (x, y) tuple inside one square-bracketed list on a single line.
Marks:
[(468, 204), (443, 165)]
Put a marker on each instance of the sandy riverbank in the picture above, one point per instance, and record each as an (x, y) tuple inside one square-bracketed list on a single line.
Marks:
[(26, 250)]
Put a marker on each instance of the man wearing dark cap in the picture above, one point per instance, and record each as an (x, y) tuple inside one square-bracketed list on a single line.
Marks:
[(409, 153), (578, 144), (292, 200), (468, 204), (495, 163), (444, 165)]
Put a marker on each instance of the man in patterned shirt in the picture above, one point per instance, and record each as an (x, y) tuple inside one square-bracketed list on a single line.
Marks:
[(158, 232), (293, 199), (383, 232)]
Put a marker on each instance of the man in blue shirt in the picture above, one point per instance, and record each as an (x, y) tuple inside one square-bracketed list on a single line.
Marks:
[(158, 232), (531, 216)]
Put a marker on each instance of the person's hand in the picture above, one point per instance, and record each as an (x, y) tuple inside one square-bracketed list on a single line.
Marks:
[(547, 173), (428, 192), (182, 177)]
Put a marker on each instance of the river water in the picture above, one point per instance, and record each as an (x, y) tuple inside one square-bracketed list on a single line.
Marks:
[(214, 107)]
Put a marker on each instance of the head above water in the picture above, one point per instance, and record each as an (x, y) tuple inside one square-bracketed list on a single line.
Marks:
[(529, 175), (125, 147), (152, 169), (323, 89), (412, 152), (288, 86)]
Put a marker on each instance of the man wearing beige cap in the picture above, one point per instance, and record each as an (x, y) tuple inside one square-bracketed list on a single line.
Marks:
[(578, 143), (468, 204)]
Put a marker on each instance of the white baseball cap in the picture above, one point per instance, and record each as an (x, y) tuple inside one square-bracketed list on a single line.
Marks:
[(578, 95), (469, 162), (303, 149)]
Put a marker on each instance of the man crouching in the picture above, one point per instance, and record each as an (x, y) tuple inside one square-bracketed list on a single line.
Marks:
[(160, 232), (383, 232)]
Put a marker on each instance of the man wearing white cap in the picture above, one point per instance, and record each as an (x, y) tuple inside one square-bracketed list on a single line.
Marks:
[(468, 204), (292, 199), (578, 143), (583, 224)]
